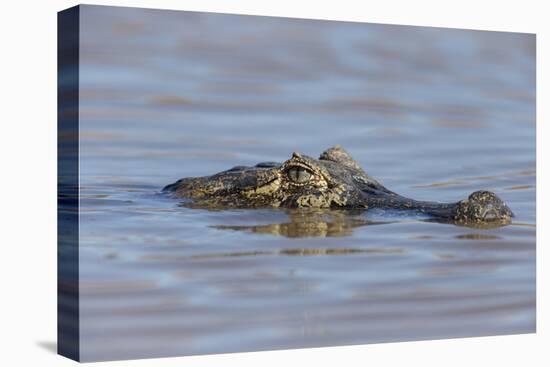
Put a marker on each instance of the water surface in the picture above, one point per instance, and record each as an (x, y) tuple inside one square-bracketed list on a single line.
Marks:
[(432, 113)]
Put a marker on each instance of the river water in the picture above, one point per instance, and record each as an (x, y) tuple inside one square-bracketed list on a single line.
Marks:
[(432, 113)]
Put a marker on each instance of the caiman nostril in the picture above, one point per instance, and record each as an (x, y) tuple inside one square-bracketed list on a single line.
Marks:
[(490, 214)]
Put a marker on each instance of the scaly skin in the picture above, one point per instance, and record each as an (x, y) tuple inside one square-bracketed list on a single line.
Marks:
[(335, 180)]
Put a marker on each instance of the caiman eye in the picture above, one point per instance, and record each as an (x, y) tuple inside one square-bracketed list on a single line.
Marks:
[(299, 174)]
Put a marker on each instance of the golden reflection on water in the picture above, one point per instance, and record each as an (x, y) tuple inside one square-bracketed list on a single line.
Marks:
[(309, 223), (477, 236), (339, 223), (299, 251)]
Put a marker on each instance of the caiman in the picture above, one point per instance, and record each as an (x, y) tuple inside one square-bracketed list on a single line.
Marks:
[(335, 180)]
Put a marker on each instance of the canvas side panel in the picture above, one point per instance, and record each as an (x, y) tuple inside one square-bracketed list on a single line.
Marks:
[(68, 31)]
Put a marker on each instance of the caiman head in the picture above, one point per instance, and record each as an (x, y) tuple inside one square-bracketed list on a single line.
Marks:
[(335, 180), (301, 181)]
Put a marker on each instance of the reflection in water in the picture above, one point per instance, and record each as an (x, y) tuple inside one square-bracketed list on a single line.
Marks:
[(339, 223), (477, 236), (310, 223), (475, 225), (283, 252)]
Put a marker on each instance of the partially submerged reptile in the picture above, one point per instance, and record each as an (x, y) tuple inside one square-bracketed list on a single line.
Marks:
[(335, 180)]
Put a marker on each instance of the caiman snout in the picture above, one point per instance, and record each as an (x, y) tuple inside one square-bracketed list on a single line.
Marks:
[(483, 206)]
